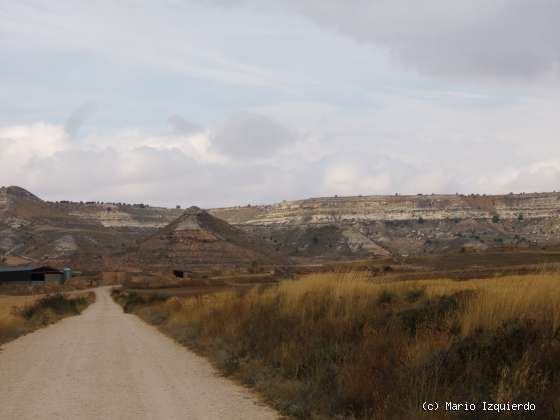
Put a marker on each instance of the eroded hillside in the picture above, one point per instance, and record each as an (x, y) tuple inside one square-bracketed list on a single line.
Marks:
[(198, 238), (341, 227), (402, 224), (390, 208), (324, 228), (35, 231)]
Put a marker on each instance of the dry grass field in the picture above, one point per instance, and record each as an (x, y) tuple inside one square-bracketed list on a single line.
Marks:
[(20, 315), (12, 325), (7, 303), (354, 347)]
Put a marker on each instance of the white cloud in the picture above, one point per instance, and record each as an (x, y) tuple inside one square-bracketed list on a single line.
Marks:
[(351, 155), (22, 145), (134, 166), (29, 141)]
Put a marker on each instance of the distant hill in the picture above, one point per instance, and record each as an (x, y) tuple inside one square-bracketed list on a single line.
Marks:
[(402, 225), (315, 228), (198, 238), (351, 209), (107, 237), (121, 215), (40, 232)]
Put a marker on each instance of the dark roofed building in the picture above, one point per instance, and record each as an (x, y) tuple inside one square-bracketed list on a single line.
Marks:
[(41, 274), (182, 273)]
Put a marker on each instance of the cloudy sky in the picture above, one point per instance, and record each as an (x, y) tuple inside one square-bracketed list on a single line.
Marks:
[(225, 102)]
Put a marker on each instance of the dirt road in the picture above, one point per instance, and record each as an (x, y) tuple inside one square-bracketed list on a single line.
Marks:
[(106, 365)]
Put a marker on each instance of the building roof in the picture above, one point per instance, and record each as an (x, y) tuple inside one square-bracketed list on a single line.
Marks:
[(19, 269)]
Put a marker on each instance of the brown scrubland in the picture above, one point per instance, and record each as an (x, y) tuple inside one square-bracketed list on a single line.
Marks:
[(353, 346), (21, 315)]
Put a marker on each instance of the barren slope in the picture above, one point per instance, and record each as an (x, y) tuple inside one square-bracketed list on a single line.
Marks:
[(328, 227), (45, 233), (198, 238), (421, 224)]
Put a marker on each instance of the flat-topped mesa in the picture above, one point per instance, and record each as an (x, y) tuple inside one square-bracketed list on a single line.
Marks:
[(123, 216), (394, 208), (335, 210)]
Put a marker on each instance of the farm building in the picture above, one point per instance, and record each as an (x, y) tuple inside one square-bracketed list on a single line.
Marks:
[(42, 274), (181, 274)]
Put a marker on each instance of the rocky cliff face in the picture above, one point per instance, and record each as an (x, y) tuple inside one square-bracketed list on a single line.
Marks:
[(122, 215), (333, 210), (395, 208), (342, 227), (402, 224)]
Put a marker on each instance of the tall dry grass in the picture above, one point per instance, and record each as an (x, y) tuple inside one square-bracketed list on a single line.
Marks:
[(347, 346), (12, 325), (20, 315)]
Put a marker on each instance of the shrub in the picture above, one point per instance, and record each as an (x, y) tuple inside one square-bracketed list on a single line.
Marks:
[(415, 294), (386, 297), (57, 304)]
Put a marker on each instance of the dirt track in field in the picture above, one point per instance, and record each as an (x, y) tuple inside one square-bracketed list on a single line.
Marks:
[(105, 364)]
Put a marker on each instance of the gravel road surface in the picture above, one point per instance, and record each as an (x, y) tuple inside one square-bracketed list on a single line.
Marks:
[(107, 365)]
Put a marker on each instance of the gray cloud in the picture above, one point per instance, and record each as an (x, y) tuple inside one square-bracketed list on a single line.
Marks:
[(55, 168), (183, 126), (250, 135), (78, 118), (465, 39)]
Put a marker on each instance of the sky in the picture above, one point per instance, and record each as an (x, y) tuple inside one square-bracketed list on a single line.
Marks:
[(219, 103)]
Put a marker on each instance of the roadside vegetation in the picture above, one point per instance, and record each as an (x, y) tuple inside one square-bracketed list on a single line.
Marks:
[(346, 346), (75, 284), (24, 314)]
